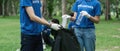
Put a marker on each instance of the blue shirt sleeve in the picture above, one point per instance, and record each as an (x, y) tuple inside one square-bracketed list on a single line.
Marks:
[(25, 2), (98, 9)]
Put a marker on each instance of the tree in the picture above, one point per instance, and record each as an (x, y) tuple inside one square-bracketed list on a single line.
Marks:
[(44, 8), (63, 7), (117, 9), (110, 6), (50, 8), (9, 7), (107, 14), (1, 7), (69, 5)]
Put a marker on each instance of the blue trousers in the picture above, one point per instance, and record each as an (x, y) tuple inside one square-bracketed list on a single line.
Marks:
[(31, 43), (86, 37)]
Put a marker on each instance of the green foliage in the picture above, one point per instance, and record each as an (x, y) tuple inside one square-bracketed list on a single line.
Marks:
[(54, 7)]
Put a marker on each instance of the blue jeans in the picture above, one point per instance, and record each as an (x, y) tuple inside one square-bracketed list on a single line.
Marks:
[(86, 37), (31, 43)]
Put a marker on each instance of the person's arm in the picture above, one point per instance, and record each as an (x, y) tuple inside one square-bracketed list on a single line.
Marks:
[(74, 16), (35, 18), (95, 19), (97, 11)]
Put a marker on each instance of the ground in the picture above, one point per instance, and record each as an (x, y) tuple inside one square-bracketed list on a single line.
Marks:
[(107, 35)]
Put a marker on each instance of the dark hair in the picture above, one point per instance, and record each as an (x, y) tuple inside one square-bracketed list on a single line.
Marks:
[(55, 21), (71, 14)]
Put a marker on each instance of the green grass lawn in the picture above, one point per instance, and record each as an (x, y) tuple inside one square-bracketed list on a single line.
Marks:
[(9, 34), (107, 35)]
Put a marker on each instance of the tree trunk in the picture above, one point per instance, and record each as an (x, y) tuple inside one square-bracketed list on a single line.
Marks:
[(63, 7), (9, 8), (44, 8), (1, 7), (13, 8), (6, 8), (107, 14)]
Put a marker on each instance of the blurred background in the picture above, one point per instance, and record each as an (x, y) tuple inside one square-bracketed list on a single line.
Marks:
[(58, 7)]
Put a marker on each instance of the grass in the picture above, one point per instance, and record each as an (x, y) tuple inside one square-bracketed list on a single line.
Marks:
[(9, 34), (107, 34)]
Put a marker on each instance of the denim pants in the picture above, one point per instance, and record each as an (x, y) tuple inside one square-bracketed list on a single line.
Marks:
[(31, 43), (86, 37)]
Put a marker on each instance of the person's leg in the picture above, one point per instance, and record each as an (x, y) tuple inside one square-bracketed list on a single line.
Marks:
[(39, 44), (78, 33), (27, 43), (31, 43), (89, 39)]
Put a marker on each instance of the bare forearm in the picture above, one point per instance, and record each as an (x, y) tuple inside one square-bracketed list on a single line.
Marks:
[(95, 19), (35, 18), (40, 20)]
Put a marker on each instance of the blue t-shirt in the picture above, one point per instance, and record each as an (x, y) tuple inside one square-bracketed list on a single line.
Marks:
[(93, 8), (71, 25), (27, 26)]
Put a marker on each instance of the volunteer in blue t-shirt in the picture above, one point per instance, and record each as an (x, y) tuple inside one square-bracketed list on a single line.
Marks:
[(86, 13), (71, 24), (31, 22)]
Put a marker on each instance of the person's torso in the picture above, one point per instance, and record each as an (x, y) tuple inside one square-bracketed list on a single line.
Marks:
[(28, 26), (89, 6)]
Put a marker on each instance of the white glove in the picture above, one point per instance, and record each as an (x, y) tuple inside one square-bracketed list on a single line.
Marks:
[(55, 26), (84, 13), (66, 16), (64, 20)]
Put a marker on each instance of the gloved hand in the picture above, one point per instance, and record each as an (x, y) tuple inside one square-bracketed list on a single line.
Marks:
[(55, 26), (64, 20), (84, 13), (66, 16)]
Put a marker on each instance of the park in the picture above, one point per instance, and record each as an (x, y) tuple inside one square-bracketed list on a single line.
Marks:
[(107, 31)]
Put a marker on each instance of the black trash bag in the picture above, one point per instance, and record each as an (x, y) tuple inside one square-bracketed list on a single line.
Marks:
[(47, 39), (66, 41)]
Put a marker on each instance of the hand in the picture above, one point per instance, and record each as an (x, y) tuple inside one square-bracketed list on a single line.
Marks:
[(66, 16), (55, 26), (84, 13)]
